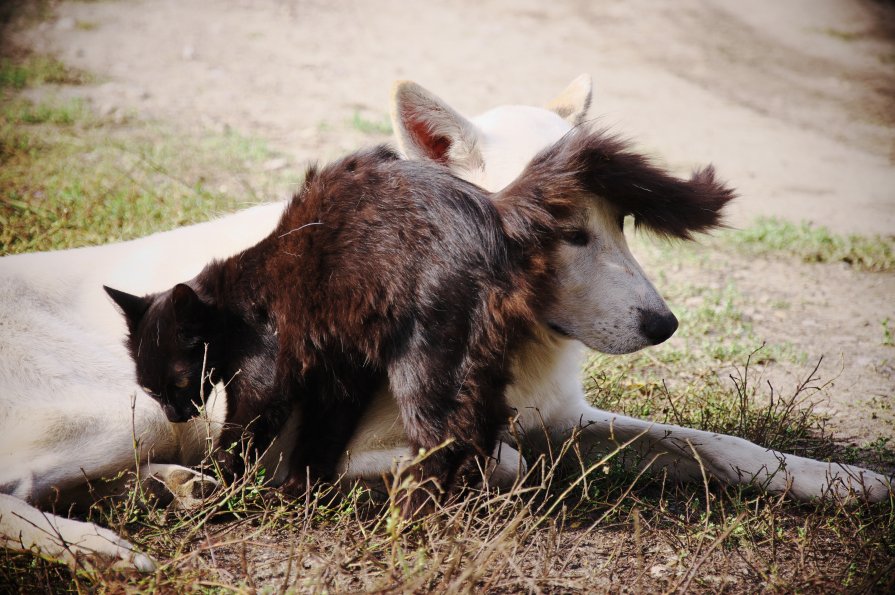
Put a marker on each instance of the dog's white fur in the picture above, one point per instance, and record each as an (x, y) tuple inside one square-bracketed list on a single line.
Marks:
[(71, 412)]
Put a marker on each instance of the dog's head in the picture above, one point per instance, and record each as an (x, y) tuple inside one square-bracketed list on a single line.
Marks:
[(604, 298), (172, 338), (588, 182)]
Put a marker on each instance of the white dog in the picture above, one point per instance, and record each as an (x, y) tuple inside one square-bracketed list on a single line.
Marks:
[(70, 411)]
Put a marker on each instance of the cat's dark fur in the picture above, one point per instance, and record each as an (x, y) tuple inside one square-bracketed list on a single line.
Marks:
[(384, 270)]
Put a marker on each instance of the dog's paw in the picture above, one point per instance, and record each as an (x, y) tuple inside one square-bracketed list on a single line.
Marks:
[(191, 491), (186, 488), (83, 544), (79, 544)]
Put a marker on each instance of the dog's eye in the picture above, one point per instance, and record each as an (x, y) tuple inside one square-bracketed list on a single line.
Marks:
[(182, 382), (577, 237), (149, 391)]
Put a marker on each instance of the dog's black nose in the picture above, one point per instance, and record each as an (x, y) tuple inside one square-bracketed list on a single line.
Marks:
[(657, 327)]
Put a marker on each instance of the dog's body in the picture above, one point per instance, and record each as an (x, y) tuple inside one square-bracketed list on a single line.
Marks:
[(70, 410)]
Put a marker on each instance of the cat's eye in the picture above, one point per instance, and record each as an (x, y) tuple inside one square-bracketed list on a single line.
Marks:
[(182, 382), (577, 237)]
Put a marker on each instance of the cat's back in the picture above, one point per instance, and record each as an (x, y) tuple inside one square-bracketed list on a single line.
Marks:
[(370, 237), (374, 206)]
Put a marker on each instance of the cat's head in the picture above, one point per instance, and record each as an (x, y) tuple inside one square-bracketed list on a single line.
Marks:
[(172, 338)]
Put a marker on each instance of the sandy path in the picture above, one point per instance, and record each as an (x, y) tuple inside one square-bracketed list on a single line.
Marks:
[(795, 103)]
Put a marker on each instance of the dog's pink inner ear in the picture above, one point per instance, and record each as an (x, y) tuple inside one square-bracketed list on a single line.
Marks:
[(433, 146)]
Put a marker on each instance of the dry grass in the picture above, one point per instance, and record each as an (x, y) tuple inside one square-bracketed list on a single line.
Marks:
[(577, 522)]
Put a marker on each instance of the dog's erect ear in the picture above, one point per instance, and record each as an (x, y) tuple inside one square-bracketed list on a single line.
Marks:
[(429, 129), (572, 104), (132, 306)]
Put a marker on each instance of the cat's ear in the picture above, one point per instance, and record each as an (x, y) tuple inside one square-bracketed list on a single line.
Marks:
[(189, 309), (193, 316), (132, 306)]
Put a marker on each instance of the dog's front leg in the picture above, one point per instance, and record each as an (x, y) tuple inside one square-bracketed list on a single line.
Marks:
[(686, 454)]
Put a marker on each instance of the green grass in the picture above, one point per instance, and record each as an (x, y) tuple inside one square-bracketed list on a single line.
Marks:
[(712, 325), (815, 244), (62, 112), (37, 69), (86, 25), (737, 403), (381, 126), (69, 178), (887, 332)]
